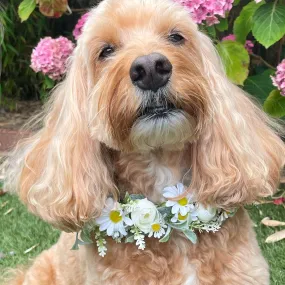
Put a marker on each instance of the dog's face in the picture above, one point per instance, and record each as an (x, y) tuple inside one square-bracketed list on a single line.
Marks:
[(145, 76)]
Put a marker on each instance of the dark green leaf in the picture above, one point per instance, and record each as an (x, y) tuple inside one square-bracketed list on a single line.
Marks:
[(26, 8), (211, 31), (223, 25), (269, 23), (236, 60), (259, 85), (243, 23), (275, 104)]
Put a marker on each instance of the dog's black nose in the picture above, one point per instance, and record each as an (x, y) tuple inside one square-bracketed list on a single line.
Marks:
[(150, 72)]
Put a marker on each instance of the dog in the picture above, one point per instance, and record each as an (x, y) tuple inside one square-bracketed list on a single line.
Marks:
[(146, 101)]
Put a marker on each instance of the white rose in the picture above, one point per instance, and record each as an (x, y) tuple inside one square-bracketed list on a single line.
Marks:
[(144, 215), (206, 214)]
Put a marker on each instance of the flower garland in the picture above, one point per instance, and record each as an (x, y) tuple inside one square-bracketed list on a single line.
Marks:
[(136, 218)]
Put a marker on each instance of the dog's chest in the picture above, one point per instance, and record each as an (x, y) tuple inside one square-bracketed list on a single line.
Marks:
[(150, 174)]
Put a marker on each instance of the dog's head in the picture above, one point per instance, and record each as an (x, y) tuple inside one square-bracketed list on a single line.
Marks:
[(142, 65), (141, 78)]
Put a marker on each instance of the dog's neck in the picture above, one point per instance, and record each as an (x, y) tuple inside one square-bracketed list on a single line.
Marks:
[(149, 173)]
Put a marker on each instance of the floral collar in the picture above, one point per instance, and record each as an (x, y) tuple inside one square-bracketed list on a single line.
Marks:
[(135, 218)]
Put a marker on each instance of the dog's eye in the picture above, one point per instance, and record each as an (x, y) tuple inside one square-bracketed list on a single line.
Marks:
[(176, 38), (106, 51)]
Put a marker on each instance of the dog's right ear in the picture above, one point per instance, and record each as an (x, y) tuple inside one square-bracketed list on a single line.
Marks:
[(61, 173)]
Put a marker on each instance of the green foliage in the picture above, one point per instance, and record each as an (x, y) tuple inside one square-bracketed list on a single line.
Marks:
[(269, 23), (275, 104), (259, 85), (26, 8), (244, 22), (18, 80), (235, 59)]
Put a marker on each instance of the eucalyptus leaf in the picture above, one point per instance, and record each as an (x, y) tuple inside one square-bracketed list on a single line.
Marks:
[(130, 239), (191, 236), (164, 210), (167, 235), (235, 59), (275, 104), (244, 22), (26, 8), (182, 226), (269, 23), (136, 196), (85, 236), (76, 243)]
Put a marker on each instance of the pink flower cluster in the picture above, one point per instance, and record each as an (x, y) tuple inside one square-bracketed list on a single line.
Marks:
[(207, 10), (79, 26), (249, 45), (279, 79), (50, 56)]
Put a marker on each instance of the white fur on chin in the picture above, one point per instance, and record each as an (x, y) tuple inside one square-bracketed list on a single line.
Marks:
[(171, 132)]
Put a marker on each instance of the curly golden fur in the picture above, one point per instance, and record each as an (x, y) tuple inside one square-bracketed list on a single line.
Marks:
[(94, 143)]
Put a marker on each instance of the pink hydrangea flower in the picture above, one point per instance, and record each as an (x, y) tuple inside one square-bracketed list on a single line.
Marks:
[(50, 56), (79, 26), (279, 79), (207, 10), (249, 45)]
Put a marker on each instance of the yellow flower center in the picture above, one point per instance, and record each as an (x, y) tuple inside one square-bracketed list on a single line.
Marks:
[(115, 217), (182, 218), (156, 227), (183, 201)]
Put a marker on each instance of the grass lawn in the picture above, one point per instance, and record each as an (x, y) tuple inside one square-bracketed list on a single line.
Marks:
[(20, 231)]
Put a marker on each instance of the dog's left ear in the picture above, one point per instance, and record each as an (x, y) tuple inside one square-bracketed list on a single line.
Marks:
[(239, 155), (61, 173)]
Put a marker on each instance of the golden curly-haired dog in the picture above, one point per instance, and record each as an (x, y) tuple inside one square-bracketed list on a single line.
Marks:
[(145, 100)]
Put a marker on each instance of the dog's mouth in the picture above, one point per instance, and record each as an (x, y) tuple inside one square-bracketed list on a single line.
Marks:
[(158, 110)]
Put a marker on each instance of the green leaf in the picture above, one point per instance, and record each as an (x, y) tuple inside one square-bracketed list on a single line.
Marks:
[(164, 210), (211, 31), (269, 23), (136, 196), (49, 83), (259, 85), (180, 227), (236, 60), (236, 2), (26, 8), (191, 236), (130, 239), (85, 236), (76, 243), (275, 104), (243, 23), (167, 235), (223, 25)]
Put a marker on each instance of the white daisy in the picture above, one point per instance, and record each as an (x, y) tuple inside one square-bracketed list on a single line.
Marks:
[(181, 206), (157, 230), (113, 220)]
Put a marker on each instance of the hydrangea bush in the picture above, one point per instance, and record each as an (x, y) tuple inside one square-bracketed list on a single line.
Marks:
[(51, 55), (249, 36)]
